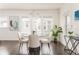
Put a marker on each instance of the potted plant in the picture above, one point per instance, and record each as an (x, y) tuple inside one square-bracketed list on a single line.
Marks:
[(70, 34), (55, 32)]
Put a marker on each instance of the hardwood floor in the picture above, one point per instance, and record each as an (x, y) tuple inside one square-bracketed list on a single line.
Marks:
[(58, 48), (12, 47)]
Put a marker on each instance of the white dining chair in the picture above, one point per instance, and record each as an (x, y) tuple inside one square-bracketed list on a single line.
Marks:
[(23, 44)]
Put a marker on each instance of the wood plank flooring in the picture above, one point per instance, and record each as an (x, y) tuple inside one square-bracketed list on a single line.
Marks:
[(12, 47)]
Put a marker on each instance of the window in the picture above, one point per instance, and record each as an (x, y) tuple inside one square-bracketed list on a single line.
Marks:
[(36, 26), (47, 24), (42, 26), (25, 26)]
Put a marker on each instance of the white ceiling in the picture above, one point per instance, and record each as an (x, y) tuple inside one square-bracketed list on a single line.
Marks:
[(24, 6)]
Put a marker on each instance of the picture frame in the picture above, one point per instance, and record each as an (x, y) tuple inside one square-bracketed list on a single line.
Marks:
[(76, 15)]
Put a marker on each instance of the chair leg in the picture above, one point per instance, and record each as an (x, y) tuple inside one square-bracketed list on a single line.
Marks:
[(20, 45)]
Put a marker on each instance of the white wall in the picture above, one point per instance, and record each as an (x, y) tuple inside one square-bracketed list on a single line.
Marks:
[(68, 10)]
